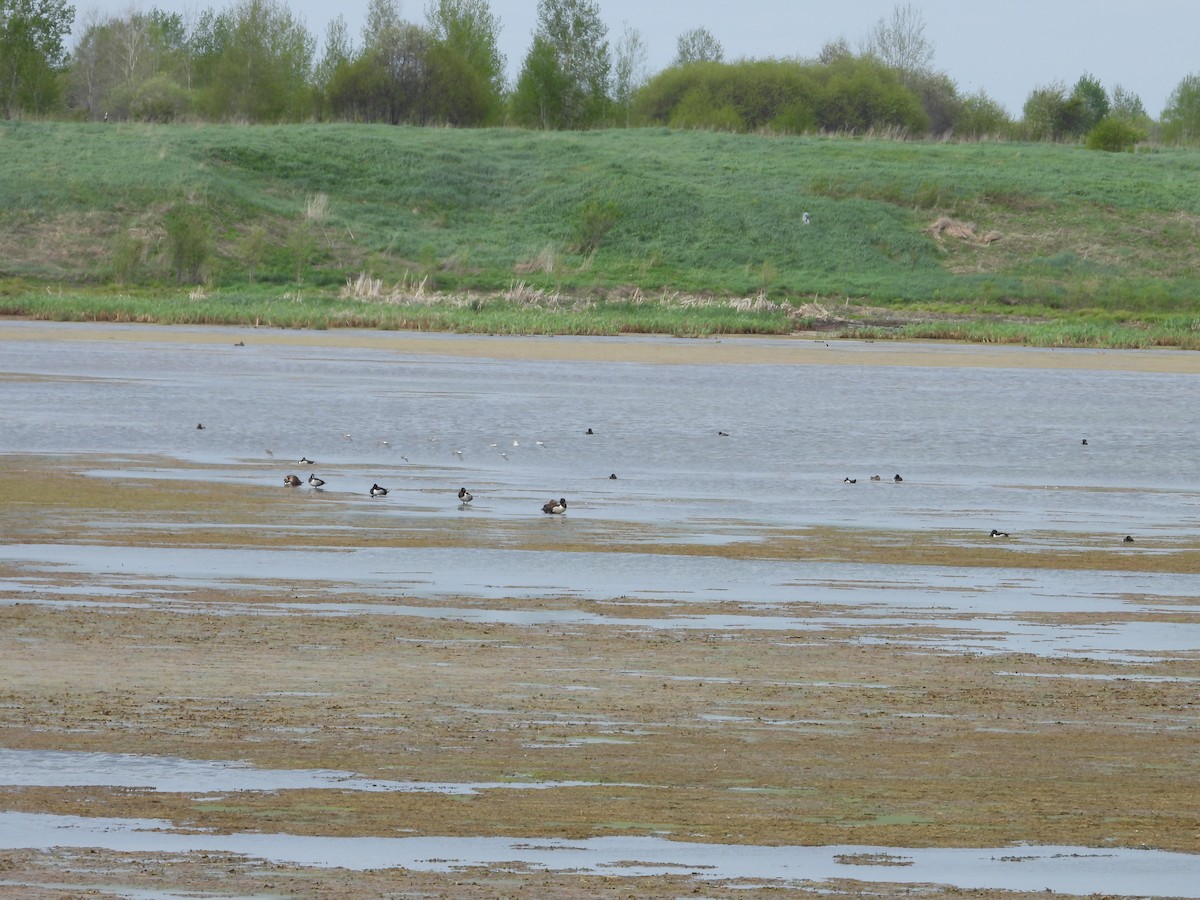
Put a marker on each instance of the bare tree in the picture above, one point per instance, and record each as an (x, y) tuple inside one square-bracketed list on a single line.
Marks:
[(900, 43), (698, 45), (629, 69)]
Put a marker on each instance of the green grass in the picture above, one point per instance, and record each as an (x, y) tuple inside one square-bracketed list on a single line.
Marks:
[(1106, 241)]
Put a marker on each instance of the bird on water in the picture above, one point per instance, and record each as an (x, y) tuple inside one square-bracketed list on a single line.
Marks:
[(554, 507)]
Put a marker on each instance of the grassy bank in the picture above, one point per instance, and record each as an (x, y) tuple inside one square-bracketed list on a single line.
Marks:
[(641, 230)]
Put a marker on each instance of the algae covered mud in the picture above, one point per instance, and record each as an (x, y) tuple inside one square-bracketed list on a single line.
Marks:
[(741, 665)]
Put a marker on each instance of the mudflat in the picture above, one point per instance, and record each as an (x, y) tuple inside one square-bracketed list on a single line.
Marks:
[(604, 717)]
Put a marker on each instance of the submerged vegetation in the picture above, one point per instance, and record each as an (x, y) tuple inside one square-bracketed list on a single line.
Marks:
[(646, 230)]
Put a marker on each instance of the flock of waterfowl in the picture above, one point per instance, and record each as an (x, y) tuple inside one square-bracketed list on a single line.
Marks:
[(552, 507), (559, 506)]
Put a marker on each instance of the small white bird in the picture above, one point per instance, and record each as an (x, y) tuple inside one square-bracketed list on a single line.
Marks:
[(805, 219)]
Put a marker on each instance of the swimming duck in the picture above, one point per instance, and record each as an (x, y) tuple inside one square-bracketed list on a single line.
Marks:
[(291, 481), (612, 477), (304, 461), (1084, 442), (314, 481), (996, 533), (1128, 539), (377, 491), (465, 496), (554, 507), (897, 479), (876, 478), (849, 481)]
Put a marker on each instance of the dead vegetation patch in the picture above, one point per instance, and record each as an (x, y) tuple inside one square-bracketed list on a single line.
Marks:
[(963, 231)]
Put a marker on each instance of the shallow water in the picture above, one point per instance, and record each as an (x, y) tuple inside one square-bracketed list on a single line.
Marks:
[(168, 774), (1075, 870), (978, 448)]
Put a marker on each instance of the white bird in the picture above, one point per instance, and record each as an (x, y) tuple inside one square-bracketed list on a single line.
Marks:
[(805, 219)]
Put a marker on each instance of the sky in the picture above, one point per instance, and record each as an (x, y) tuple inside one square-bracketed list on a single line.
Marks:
[(1004, 47)]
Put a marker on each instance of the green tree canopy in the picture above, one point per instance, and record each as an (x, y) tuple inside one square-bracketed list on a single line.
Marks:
[(564, 79), (1181, 116), (31, 52), (254, 62)]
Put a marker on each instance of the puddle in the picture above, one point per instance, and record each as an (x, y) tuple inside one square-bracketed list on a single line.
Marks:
[(164, 774), (1074, 870)]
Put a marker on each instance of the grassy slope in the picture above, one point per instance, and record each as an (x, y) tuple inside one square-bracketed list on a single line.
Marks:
[(1100, 237)]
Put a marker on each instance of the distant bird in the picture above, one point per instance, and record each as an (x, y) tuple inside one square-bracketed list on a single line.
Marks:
[(314, 481), (200, 426), (849, 481), (465, 496), (589, 431), (377, 491), (996, 533), (805, 219), (554, 507), (1084, 442), (612, 477), (270, 452), (722, 434), (240, 344), (304, 461), (897, 479), (291, 481), (876, 478), (1128, 539)]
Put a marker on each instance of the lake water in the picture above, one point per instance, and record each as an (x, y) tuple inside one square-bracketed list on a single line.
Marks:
[(703, 453)]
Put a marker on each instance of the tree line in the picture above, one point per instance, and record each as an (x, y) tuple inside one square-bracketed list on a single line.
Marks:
[(254, 61)]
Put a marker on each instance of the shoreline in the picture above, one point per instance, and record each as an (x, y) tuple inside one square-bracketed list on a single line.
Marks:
[(799, 349)]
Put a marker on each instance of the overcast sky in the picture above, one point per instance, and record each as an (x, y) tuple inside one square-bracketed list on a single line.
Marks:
[(1005, 47)]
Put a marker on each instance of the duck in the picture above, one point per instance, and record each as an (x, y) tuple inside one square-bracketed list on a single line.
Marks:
[(199, 426), (996, 533), (612, 477), (291, 481), (722, 434), (849, 481), (314, 481), (876, 478), (1128, 539), (554, 507), (589, 431), (465, 496), (897, 479), (1084, 442), (377, 491), (304, 461)]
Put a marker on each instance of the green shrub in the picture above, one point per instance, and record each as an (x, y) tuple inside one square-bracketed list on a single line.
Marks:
[(593, 221), (128, 254), (187, 240), (1115, 136)]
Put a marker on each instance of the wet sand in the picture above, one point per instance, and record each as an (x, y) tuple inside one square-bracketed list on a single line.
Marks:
[(857, 733)]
